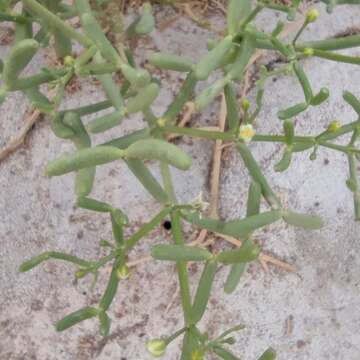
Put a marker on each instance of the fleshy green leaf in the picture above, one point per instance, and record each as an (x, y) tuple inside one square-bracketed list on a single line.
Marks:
[(306, 221), (180, 253), (76, 317)]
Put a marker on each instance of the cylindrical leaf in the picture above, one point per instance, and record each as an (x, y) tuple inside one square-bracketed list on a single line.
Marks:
[(76, 317), (84, 181), (38, 100), (20, 55), (249, 251), (181, 98), (93, 30), (117, 229), (320, 97), (209, 94), (111, 288), (269, 354), (105, 323), (146, 23), (292, 111), (233, 115), (306, 221), (136, 77), (224, 354), (237, 10), (36, 260), (83, 159), (203, 291), (254, 199), (143, 99), (236, 228), (352, 101), (105, 122), (234, 276), (257, 175), (81, 138), (92, 204), (247, 48), (147, 179), (211, 60), (149, 149), (305, 84), (170, 62), (180, 253), (284, 162)]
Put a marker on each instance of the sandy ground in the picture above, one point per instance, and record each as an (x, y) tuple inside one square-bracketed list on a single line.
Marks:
[(311, 314)]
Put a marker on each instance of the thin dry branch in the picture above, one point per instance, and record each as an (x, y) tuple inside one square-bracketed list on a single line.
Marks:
[(19, 139)]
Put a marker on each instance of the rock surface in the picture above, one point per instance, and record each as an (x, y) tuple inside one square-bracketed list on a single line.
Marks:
[(311, 314)]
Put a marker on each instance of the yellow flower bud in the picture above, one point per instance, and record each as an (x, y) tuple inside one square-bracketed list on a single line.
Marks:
[(334, 126), (69, 60), (123, 272), (308, 52), (245, 104), (161, 122), (246, 132), (312, 15), (156, 347), (81, 273), (197, 355)]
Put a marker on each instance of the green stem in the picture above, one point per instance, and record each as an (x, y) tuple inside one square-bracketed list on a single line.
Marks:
[(299, 32), (211, 135), (345, 42), (181, 98), (175, 335), (52, 20), (103, 261), (36, 80), (146, 178), (14, 18), (337, 57), (281, 138), (251, 16), (342, 148), (182, 268), (132, 241), (332, 44), (325, 136), (69, 258), (257, 175), (168, 185), (111, 287), (353, 179)]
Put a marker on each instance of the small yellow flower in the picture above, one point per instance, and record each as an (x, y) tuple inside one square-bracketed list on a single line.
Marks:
[(245, 104), (246, 132), (334, 126), (312, 15), (81, 273), (156, 347), (123, 272), (197, 355), (308, 52), (69, 60), (161, 122)]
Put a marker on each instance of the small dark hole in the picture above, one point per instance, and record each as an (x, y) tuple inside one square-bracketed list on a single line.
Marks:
[(167, 225)]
